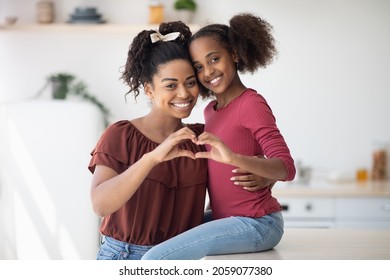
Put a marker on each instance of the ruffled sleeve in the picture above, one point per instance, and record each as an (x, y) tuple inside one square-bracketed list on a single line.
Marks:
[(111, 149)]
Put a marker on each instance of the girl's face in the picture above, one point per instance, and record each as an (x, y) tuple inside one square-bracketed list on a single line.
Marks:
[(174, 89), (214, 65)]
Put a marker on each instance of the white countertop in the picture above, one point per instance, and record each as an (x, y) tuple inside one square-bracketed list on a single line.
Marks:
[(323, 244), (329, 189)]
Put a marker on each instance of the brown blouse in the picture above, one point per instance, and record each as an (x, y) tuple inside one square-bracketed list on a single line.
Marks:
[(171, 198)]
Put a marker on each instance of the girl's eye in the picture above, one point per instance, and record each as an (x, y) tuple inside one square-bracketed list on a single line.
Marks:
[(214, 59), (197, 68)]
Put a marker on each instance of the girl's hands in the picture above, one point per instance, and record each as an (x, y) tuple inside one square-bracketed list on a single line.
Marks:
[(218, 152), (222, 153), (251, 182), (169, 149)]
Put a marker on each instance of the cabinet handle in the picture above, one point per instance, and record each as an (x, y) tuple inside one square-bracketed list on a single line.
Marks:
[(284, 207), (309, 207)]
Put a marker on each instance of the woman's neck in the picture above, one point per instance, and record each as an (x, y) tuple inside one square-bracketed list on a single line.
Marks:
[(157, 128)]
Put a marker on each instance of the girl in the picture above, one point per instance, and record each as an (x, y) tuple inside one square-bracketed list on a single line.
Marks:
[(240, 132)]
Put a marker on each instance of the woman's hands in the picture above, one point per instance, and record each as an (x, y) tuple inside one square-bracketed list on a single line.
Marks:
[(169, 149), (110, 190)]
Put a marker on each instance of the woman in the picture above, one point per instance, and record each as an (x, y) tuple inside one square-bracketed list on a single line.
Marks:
[(146, 183)]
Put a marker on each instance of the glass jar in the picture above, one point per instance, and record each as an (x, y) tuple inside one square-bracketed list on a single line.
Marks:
[(156, 12), (379, 161), (362, 174), (45, 12)]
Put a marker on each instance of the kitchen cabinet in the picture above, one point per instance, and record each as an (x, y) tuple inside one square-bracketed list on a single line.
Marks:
[(362, 212), (308, 212), (327, 205)]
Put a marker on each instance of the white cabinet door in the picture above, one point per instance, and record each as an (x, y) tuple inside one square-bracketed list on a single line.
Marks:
[(307, 207), (308, 212), (363, 212)]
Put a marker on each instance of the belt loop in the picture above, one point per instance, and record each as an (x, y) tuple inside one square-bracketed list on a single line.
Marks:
[(127, 248)]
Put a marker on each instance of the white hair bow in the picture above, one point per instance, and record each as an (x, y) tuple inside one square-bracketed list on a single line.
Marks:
[(155, 37)]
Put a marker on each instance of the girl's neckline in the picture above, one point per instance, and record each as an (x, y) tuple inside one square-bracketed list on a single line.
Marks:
[(228, 104)]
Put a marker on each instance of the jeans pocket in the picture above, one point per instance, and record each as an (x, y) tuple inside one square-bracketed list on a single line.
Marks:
[(106, 254)]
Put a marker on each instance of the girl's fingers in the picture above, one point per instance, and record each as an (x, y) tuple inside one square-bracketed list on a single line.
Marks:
[(241, 171), (245, 183), (245, 178), (206, 138)]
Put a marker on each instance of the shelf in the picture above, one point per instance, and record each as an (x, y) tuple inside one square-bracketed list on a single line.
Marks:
[(81, 27)]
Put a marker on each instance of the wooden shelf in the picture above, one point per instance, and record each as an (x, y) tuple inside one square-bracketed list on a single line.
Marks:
[(81, 27)]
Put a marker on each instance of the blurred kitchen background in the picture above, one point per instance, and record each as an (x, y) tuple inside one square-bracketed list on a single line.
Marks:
[(329, 89)]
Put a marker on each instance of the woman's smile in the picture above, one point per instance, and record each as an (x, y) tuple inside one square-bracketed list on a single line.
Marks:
[(182, 105)]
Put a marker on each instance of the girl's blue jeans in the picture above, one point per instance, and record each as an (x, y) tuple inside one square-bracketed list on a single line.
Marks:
[(223, 236)]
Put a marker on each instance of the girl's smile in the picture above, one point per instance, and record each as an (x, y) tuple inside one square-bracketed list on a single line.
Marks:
[(214, 82)]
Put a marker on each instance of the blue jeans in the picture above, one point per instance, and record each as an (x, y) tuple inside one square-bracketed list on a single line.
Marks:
[(223, 236), (112, 249)]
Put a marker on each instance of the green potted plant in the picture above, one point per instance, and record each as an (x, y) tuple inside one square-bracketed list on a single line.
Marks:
[(189, 5), (60, 84), (64, 84), (185, 9)]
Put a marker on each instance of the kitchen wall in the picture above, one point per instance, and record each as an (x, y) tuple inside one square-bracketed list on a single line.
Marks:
[(329, 86)]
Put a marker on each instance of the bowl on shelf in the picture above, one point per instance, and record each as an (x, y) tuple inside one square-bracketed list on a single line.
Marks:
[(86, 15), (10, 20)]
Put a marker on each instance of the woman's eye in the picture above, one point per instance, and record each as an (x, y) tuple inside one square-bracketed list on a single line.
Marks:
[(170, 86), (191, 83)]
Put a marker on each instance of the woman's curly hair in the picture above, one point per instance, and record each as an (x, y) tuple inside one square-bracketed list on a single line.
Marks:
[(247, 35), (144, 57)]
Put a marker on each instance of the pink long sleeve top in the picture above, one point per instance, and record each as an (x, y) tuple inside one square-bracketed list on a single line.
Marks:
[(248, 127)]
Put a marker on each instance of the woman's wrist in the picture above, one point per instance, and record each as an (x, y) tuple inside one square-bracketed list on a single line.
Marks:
[(235, 159), (150, 158)]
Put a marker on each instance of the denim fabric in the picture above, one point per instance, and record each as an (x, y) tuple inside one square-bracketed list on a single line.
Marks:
[(223, 236), (112, 249)]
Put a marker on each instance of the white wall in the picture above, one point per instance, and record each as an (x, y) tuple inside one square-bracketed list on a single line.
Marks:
[(45, 209), (329, 87)]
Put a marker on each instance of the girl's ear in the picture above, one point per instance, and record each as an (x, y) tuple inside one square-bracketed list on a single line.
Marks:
[(235, 56)]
